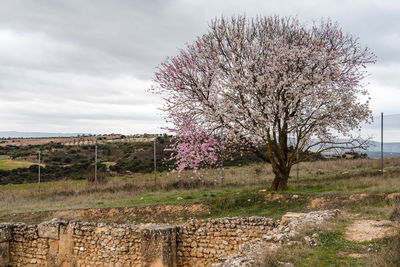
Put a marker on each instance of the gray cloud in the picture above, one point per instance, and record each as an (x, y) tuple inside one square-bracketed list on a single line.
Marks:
[(85, 66)]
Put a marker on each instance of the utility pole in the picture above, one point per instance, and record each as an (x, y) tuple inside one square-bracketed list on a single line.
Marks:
[(155, 163), (382, 142), (39, 172), (95, 164)]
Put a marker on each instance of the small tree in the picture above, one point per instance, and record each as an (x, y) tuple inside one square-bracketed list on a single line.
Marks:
[(271, 81), (192, 146)]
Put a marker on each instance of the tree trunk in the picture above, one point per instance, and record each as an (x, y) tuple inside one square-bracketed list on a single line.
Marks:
[(281, 179)]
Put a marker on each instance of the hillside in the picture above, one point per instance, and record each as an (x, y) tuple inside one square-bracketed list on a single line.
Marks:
[(73, 157), (15, 134), (75, 160)]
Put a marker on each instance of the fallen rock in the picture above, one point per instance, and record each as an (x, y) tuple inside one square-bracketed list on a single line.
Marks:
[(309, 241)]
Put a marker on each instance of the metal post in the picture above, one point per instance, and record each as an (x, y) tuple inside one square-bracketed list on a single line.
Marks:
[(297, 165), (222, 172), (39, 172), (382, 142), (155, 163), (95, 164), (222, 161)]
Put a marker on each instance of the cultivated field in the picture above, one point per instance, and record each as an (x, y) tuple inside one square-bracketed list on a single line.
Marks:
[(78, 140)]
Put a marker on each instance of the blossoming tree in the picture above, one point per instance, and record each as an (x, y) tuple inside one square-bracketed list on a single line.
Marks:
[(270, 81)]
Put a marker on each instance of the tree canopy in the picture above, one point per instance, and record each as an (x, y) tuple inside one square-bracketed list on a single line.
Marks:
[(266, 80)]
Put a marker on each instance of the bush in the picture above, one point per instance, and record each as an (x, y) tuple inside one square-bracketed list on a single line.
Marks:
[(101, 177)]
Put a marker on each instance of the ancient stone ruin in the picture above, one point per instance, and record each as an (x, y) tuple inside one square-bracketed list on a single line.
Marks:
[(194, 243)]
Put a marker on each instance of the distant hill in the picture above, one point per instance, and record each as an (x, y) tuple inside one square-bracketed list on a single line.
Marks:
[(392, 147), (14, 134), (376, 154)]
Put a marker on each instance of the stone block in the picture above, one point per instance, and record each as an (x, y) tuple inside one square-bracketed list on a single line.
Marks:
[(158, 246), (66, 243), (53, 246), (49, 230)]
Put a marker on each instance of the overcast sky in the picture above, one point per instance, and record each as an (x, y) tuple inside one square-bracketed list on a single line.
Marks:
[(85, 66)]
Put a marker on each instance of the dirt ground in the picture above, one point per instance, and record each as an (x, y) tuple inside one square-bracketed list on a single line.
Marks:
[(367, 230), (180, 213), (148, 214)]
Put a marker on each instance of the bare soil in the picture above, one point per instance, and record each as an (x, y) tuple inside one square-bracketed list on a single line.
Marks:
[(148, 214), (181, 213), (367, 230)]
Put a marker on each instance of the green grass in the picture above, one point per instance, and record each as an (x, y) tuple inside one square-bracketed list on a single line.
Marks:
[(249, 202), (240, 195), (109, 163), (8, 164), (332, 249), (243, 194)]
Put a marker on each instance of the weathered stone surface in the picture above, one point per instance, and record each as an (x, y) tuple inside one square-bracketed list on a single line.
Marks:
[(203, 242), (249, 253), (66, 243), (158, 246), (4, 253), (195, 243), (5, 232), (49, 230)]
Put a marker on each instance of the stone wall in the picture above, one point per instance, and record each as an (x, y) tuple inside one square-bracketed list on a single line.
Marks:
[(202, 242), (80, 244), (194, 243)]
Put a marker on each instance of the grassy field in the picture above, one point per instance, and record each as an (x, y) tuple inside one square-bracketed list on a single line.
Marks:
[(9, 164), (322, 177), (245, 192)]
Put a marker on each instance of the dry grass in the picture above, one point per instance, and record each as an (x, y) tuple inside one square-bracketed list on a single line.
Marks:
[(342, 165), (338, 177), (332, 249), (388, 255)]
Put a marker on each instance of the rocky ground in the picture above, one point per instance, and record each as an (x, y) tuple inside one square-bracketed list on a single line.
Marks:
[(292, 224), (289, 227)]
